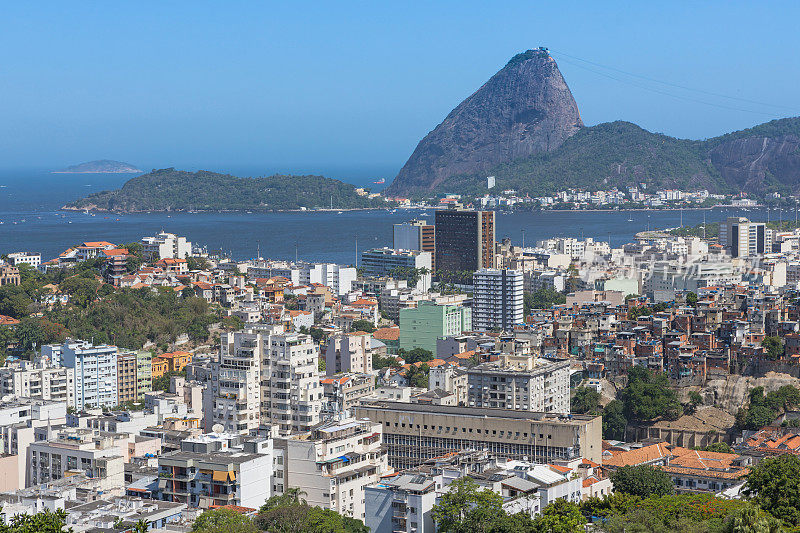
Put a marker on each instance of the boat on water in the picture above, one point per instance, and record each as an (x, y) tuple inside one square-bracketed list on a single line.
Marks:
[(379, 182), (338, 212)]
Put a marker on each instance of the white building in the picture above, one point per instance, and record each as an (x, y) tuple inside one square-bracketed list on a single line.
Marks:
[(29, 381), (95, 370), (520, 382), (266, 376), (496, 299), (349, 352), (97, 454), (338, 277), (25, 258), (333, 464), (165, 246), (380, 262), (742, 238)]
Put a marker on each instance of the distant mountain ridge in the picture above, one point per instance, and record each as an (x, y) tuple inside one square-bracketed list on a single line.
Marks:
[(101, 166), (524, 128), (177, 190)]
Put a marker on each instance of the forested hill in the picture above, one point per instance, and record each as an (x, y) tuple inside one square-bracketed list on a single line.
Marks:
[(758, 160), (176, 190)]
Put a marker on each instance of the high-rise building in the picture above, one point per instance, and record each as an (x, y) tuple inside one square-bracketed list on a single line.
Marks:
[(134, 371), (496, 299), (95, 369), (742, 238), (464, 239), (266, 376), (415, 235), (29, 381)]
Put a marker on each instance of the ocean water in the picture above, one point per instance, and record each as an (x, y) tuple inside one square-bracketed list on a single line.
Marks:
[(31, 221)]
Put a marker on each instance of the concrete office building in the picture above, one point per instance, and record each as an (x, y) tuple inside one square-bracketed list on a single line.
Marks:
[(415, 235), (134, 369), (497, 299), (333, 464), (464, 239), (414, 433), (742, 238), (25, 258), (520, 382), (422, 326)]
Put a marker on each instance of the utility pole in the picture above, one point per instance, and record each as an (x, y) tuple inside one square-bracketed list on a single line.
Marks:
[(704, 225), (356, 251), (523, 238)]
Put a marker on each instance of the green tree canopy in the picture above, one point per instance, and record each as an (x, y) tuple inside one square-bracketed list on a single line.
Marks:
[(586, 400), (362, 325), (614, 421), (647, 396), (223, 521), (774, 484), (642, 481)]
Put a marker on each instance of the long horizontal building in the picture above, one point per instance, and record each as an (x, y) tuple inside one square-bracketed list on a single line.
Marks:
[(414, 433)]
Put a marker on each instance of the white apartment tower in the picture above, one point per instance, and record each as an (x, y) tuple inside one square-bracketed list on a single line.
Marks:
[(742, 238), (165, 246), (266, 376), (496, 299), (95, 371)]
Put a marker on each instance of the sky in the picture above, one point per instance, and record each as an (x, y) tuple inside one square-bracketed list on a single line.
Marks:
[(349, 88)]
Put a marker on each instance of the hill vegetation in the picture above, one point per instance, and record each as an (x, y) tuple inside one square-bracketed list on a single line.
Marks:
[(176, 190)]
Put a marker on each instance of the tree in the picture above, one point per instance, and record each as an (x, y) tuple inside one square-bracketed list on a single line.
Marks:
[(467, 509), (695, 399), (773, 347), (418, 376), (141, 526), (614, 421), (586, 400), (774, 484), (691, 299), (416, 355), (544, 298), (362, 325), (223, 521), (232, 323), (717, 447), (379, 361), (647, 396), (44, 522), (642, 480), (560, 516)]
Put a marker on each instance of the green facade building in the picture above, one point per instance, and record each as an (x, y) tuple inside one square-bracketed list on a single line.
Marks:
[(420, 327)]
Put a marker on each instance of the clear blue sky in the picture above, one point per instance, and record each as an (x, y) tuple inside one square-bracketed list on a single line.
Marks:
[(336, 87)]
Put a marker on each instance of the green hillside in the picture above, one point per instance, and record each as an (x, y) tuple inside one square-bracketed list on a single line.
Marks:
[(175, 190)]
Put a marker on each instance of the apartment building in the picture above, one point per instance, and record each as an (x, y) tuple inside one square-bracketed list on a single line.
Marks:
[(380, 262), (344, 391), (215, 470), (95, 453), (332, 464), (134, 369), (95, 370), (338, 278), (414, 433), (497, 299), (38, 381), (9, 275), (267, 376), (165, 246), (520, 382), (349, 352)]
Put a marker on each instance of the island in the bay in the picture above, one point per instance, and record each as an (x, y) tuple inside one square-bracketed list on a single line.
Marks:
[(101, 166), (169, 189)]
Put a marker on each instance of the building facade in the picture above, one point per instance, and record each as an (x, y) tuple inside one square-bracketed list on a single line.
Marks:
[(349, 352), (497, 299), (380, 262), (415, 235), (95, 369), (422, 326), (464, 240)]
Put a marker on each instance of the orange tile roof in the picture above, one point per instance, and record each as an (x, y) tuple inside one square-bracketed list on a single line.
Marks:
[(639, 456), (95, 244), (8, 321), (386, 334), (561, 469), (115, 252)]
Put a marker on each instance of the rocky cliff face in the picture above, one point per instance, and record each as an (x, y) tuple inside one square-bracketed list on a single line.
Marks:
[(759, 163), (524, 109)]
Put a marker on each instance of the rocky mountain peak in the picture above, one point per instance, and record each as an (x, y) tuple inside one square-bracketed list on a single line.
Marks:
[(524, 109)]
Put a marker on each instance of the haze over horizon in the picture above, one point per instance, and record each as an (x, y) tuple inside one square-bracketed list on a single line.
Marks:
[(336, 89)]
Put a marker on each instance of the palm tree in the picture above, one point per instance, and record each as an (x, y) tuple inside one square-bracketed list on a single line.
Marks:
[(141, 526), (295, 494)]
